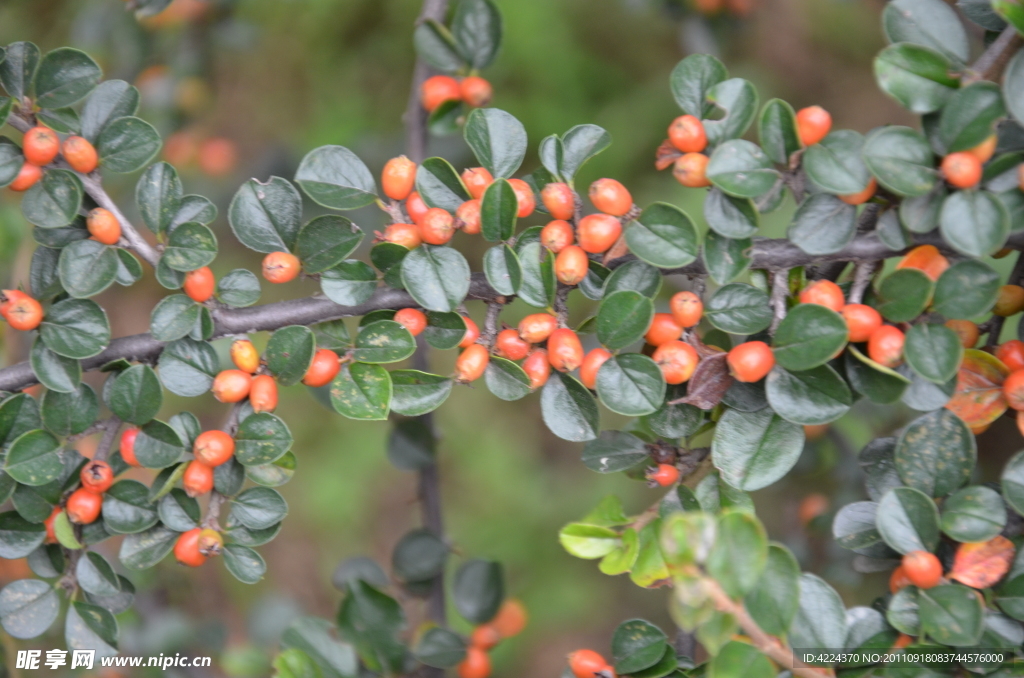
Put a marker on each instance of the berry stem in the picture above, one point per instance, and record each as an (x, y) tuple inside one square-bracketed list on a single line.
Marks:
[(111, 427), (780, 289)]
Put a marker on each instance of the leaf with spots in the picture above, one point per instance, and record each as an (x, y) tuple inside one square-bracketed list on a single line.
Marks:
[(982, 564), (936, 453)]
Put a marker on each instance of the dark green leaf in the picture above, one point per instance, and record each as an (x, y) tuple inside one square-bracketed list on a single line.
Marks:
[(506, 379), (623, 319), (664, 236), (477, 29), (350, 283), (28, 607), (614, 451), (440, 648), (335, 177), (498, 211), (478, 590), (823, 224), (70, 413), (580, 144), (730, 217), (127, 144), (908, 520), (754, 449), (18, 537), (65, 76), (18, 68), (877, 382), (692, 79), (362, 391), (835, 163), (436, 45), (973, 514), (741, 169), (440, 185), (634, 275), (971, 114), (820, 619), (739, 308), (637, 645), (568, 408), (266, 216), (136, 395), (932, 23), (54, 371), (966, 289), (173, 317), (436, 277), (725, 258), (34, 458), (736, 100), (901, 160), (951, 614), (631, 384), (933, 351), (187, 367), (855, 528), (497, 138), (53, 201), (936, 453), (808, 397), (776, 130), (904, 294), (110, 100), (974, 223), (190, 246), (501, 266), (917, 77), (87, 267), (262, 439), (239, 288), (158, 445), (809, 336), (325, 242), (127, 509), (289, 353)]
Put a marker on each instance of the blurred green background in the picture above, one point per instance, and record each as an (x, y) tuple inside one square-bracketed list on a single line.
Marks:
[(275, 78)]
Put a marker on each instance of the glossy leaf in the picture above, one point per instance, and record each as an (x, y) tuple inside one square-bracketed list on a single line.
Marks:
[(436, 277), (362, 391), (663, 236), (901, 159), (623, 318), (335, 177), (823, 224), (808, 337), (908, 520), (497, 139), (54, 200), (568, 409), (741, 169), (631, 384), (808, 397), (936, 453), (127, 144), (754, 449), (266, 216)]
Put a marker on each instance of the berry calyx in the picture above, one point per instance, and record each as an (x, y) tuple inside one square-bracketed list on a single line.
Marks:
[(263, 393), (477, 664), (687, 308), (812, 124), (922, 568), (750, 361), (861, 197), (200, 284), (80, 154), (925, 258), (467, 217), (687, 134), (610, 196), (586, 663), (556, 235), (198, 478), (127, 446), (186, 548), (475, 91), (412, 319), (510, 345), (596, 233), (210, 543), (663, 329), (27, 177), (245, 356), (677, 360), (97, 476), (477, 179), (824, 293), (691, 170), (437, 226), (21, 311), (591, 364), (231, 386), (40, 145), (537, 327), (103, 226), (437, 90), (571, 265), (885, 346), (406, 235), (537, 368), (565, 352), (524, 197), (213, 448), (281, 267), (1011, 353), (962, 170), (323, 369), (662, 475), (471, 363), (559, 200), (861, 321), (83, 507), (398, 177), (472, 333), (416, 208), (511, 618)]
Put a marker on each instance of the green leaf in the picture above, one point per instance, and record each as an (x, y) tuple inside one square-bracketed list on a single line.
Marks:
[(87, 267), (921, 214), (129, 270), (362, 391), (335, 177), (158, 194), (158, 445), (411, 445), (908, 520), (506, 379), (110, 100), (901, 159), (239, 288), (28, 607), (820, 619), (65, 76), (127, 509), (936, 453), (904, 294), (754, 449), (692, 79), (835, 163), (313, 636), (614, 451), (187, 367), (54, 371), (501, 266), (194, 208), (266, 217), (444, 331), (580, 144), (416, 393), (808, 397), (498, 211), (738, 659), (736, 100), (772, 601), (631, 384), (917, 77), (728, 216), (440, 648), (739, 554), (440, 185), (18, 537), (623, 318), (11, 160), (776, 130), (675, 421), (966, 289), (419, 556), (664, 236), (974, 223), (173, 317), (951, 614), (350, 283), (63, 120), (1012, 479), (96, 576), (568, 409), (931, 23), (435, 44), (127, 144), (44, 277), (823, 224), (326, 241), (190, 246), (739, 308), (262, 438), (18, 68), (259, 508), (70, 413), (973, 514), (725, 258), (855, 528), (478, 590), (637, 645), (18, 413), (289, 353), (809, 336), (741, 169), (497, 138), (34, 458), (436, 277), (274, 474), (178, 511), (634, 275), (970, 116), (136, 395), (1013, 85), (54, 200), (933, 351), (878, 383), (538, 285), (477, 28), (384, 341)]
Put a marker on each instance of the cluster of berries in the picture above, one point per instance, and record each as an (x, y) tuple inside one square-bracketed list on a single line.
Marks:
[(41, 146), (508, 622), (474, 91), (590, 664)]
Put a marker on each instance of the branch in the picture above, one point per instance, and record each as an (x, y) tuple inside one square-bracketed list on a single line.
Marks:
[(780, 290), (994, 58), (110, 429), (861, 279), (415, 115)]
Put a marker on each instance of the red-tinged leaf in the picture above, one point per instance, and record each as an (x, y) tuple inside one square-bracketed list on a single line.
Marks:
[(982, 564), (666, 156), (979, 399), (709, 383)]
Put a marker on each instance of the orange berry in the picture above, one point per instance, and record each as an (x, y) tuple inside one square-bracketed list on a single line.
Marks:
[(750, 361), (245, 356), (824, 293), (21, 311), (511, 618), (51, 525), (1011, 353), (902, 640), (217, 156), (213, 448), (437, 90), (586, 663), (677, 360), (1010, 301), (467, 217), (966, 331), (556, 235), (565, 352), (610, 196), (412, 319), (97, 476), (128, 446), (181, 149), (210, 543), (199, 284), (7, 299), (591, 364), (472, 333), (691, 170), (281, 267), (476, 91), (598, 232), (510, 345), (186, 548), (471, 363), (571, 265), (484, 637), (83, 507), (663, 475), (477, 664), (406, 235), (263, 394), (398, 177), (962, 169), (198, 478), (103, 226), (861, 321), (922, 568), (537, 327), (812, 124), (28, 175), (1013, 389), (812, 506), (537, 368), (416, 208), (663, 329), (926, 258), (885, 346), (687, 308), (231, 386), (477, 179), (437, 227), (559, 200), (985, 150), (80, 154), (524, 197), (863, 196), (898, 579), (323, 369), (40, 145), (687, 134)]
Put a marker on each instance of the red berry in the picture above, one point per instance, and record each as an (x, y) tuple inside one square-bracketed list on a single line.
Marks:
[(610, 196), (596, 233), (231, 386), (922, 568), (663, 329), (477, 179), (687, 308), (323, 369), (537, 368), (128, 446), (571, 265), (83, 507), (80, 154), (40, 145), (200, 284), (524, 197), (812, 124), (962, 169), (214, 448), (97, 476), (412, 319), (824, 293), (475, 91), (467, 217), (398, 177), (28, 175), (281, 267), (416, 208), (691, 170), (437, 226), (586, 663), (751, 361), (559, 200), (406, 235), (437, 90), (556, 235), (591, 364), (687, 134), (186, 548), (198, 478), (472, 333), (537, 327), (471, 363), (885, 346), (565, 352), (677, 360), (861, 320), (663, 475), (510, 345)]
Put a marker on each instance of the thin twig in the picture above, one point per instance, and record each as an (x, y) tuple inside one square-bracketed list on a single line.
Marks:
[(560, 306), (991, 62), (415, 115), (491, 323), (861, 279), (780, 290), (110, 430)]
